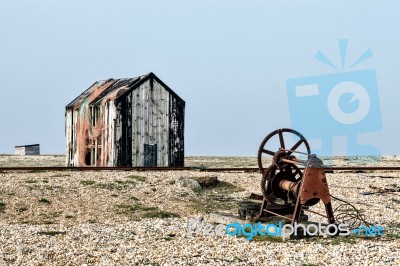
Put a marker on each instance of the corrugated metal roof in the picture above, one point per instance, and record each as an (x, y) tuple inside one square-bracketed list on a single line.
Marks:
[(84, 95), (112, 89), (118, 84), (103, 88)]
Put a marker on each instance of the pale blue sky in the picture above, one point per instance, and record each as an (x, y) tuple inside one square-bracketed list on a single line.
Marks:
[(229, 60)]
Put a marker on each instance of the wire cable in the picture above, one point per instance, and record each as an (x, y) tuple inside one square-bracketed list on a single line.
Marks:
[(347, 213)]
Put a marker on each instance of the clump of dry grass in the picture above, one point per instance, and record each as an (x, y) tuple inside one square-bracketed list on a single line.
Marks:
[(138, 211), (2, 206)]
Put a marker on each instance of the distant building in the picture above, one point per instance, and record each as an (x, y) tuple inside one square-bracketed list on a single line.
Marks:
[(126, 122), (33, 149)]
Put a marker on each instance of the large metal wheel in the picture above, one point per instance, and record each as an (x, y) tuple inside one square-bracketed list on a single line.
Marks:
[(270, 185), (281, 144)]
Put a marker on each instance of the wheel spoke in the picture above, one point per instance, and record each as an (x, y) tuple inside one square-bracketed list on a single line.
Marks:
[(272, 136), (281, 139), (268, 152), (295, 146)]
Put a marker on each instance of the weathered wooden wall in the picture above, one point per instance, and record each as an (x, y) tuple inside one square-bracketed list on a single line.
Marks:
[(69, 137), (108, 138), (71, 117), (75, 139), (123, 141), (176, 131), (142, 119), (150, 122)]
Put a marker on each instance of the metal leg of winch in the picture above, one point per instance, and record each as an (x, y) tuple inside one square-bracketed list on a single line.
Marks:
[(263, 207), (329, 213)]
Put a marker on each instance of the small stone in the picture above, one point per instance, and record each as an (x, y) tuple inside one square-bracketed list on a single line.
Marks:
[(207, 181), (189, 183)]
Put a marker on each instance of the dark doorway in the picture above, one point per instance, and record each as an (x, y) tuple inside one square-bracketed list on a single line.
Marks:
[(88, 158), (150, 154)]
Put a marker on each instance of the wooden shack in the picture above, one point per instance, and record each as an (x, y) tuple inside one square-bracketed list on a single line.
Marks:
[(33, 149), (126, 122)]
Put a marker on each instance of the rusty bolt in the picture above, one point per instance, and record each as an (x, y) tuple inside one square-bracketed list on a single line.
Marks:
[(324, 180), (315, 193)]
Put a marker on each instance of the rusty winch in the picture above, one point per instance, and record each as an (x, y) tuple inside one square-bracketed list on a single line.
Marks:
[(287, 190)]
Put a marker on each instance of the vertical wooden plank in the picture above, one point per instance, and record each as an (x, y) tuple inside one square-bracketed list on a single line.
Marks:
[(153, 114), (165, 125), (104, 141), (150, 114), (157, 99), (160, 148), (95, 148), (101, 140), (108, 139), (139, 110), (75, 156), (156, 122), (118, 133), (129, 129), (162, 124), (134, 127), (166, 128), (68, 135), (140, 126), (145, 118), (95, 153), (112, 121), (143, 123), (176, 131)]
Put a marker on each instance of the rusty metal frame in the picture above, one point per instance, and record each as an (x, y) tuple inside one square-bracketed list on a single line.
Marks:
[(313, 186)]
